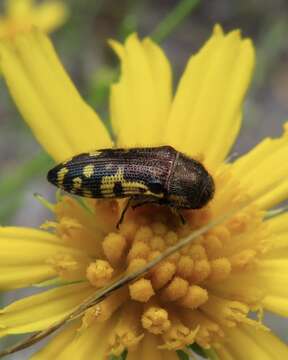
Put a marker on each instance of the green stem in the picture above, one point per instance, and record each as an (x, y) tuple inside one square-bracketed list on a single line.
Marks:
[(173, 19)]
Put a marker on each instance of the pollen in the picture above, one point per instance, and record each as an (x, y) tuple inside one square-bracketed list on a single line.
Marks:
[(141, 290), (189, 296), (156, 320), (99, 273)]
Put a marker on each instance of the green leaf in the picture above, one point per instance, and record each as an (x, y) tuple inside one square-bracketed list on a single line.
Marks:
[(198, 350), (211, 354), (174, 19), (121, 357), (182, 355)]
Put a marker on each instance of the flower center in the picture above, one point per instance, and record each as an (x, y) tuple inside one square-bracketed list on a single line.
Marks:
[(190, 296)]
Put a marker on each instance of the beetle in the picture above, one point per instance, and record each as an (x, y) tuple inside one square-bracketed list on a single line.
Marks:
[(160, 175)]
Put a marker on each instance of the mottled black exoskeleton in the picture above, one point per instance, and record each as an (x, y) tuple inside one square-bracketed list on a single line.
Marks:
[(159, 175)]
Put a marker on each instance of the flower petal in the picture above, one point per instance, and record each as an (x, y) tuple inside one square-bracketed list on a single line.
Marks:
[(255, 171), (27, 266), (206, 112), (148, 349), (90, 343), (247, 342), (58, 343), (37, 312), (61, 121), (140, 101), (49, 15), (272, 273)]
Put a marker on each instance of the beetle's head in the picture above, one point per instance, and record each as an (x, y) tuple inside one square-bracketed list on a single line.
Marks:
[(190, 186)]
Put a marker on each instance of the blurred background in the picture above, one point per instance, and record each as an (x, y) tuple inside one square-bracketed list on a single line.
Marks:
[(180, 27)]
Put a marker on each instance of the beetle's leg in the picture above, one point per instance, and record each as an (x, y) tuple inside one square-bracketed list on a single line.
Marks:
[(178, 213), (144, 202), (128, 203)]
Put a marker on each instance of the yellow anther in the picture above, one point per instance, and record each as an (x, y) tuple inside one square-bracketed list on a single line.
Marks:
[(155, 320), (178, 336), (89, 317), (99, 273), (162, 274), (222, 233), (197, 252), (220, 269), (141, 290), (143, 234), (171, 238), (195, 297), (242, 259), (128, 230), (136, 264), (212, 245), (174, 258), (154, 254), (201, 271), (175, 290), (185, 267), (159, 228), (138, 250), (239, 223), (114, 246), (157, 243), (66, 266), (185, 250), (126, 334)]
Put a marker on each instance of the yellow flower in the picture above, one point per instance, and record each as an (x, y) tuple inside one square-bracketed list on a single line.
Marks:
[(205, 292), (21, 15)]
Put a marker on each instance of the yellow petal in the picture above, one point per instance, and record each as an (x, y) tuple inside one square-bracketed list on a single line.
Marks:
[(37, 312), (18, 8), (149, 349), (272, 272), (27, 266), (58, 343), (140, 101), (61, 121), (247, 342), (49, 16), (206, 112), (265, 170), (279, 224), (90, 343)]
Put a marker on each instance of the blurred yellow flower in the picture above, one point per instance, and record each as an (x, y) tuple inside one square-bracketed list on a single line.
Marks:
[(204, 293), (21, 15)]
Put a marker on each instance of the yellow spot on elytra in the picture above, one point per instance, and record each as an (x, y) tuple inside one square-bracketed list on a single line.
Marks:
[(77, 183), (129, 187), (60, 175), (88, 170), (95, 153)]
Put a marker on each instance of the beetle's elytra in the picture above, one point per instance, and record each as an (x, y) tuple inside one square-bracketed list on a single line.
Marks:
[(147, 175)]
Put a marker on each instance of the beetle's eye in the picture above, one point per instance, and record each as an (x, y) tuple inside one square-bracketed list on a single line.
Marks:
[(207, 191)]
